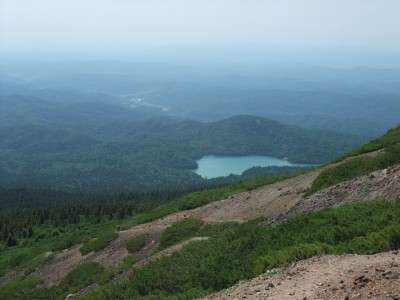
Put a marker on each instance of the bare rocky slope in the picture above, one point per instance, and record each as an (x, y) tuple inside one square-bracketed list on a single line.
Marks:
[(381, 184), (327, 277)]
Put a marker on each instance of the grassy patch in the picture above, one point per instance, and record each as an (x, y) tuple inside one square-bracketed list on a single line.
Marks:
[(355, 167), (17, 288), (128, 262), (137, 243), (179, 231), (84, 274), (391, 138), (99, 242)]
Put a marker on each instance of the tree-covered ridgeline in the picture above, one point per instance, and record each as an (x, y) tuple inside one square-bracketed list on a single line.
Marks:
[(154, 154)]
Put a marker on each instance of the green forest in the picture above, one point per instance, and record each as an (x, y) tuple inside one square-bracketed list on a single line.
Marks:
[(154, 154)]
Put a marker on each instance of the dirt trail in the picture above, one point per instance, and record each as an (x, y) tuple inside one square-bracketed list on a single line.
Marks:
[(54, 271), (167, 252), (327, 277)]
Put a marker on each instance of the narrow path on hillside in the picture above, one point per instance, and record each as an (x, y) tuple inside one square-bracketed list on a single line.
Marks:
[(166, 252)]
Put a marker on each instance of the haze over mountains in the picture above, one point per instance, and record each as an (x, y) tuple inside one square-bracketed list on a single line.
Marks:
[(361, 101), (123, 126)]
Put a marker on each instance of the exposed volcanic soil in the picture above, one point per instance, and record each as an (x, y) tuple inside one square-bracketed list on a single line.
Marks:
[(327, 277)]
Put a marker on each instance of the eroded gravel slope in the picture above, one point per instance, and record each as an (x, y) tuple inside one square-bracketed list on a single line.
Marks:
[(327, 277), (381, 184)]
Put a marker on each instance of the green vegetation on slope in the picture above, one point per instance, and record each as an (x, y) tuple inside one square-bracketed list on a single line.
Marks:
[(358, 166), (17, 289), (99, 242), (391, 138), (179, 231), (243, 251), (136, 243), (84, 274), (24, 211), (30, 251)]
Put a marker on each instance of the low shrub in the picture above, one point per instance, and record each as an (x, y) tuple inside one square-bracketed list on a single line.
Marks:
[(16, 288), (99, 242), (355, 167), (179, 231), (137, 243), (84, 273), (242, 251)]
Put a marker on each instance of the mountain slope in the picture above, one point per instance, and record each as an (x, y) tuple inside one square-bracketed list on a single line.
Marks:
[(237, 246)]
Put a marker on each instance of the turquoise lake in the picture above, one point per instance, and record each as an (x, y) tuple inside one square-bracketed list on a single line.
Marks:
[(211, 166)]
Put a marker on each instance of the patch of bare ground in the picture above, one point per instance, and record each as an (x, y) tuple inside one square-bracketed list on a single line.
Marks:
[(113, 254), (265, 201), (381, 184), (53, 271), (327, 277)]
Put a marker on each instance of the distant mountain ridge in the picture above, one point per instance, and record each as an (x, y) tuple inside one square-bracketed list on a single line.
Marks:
[(19, 109), (361, 101)]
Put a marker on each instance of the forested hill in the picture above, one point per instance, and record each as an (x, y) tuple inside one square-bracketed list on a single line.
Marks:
[(147, 155)]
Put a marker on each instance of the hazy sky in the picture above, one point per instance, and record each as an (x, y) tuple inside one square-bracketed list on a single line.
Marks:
[(121, 25)]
